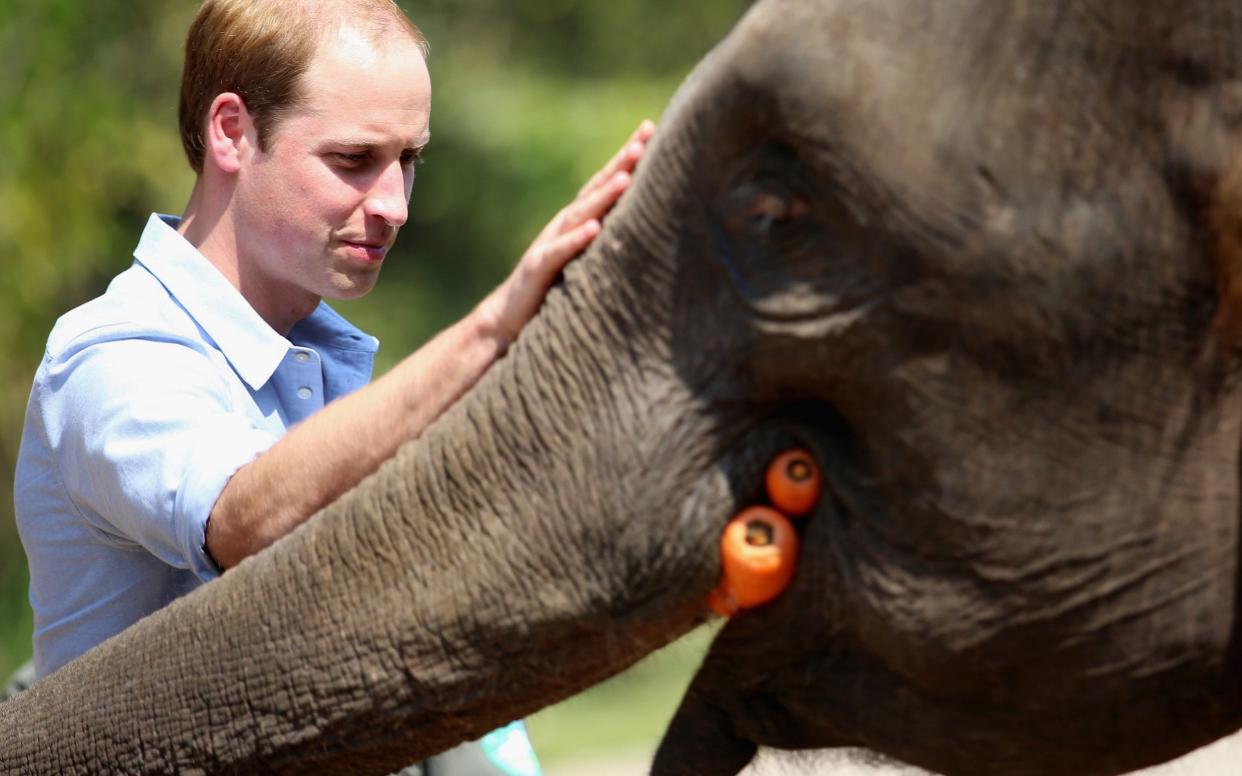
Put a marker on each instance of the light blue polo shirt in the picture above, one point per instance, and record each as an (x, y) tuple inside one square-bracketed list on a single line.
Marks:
[(147, 400)]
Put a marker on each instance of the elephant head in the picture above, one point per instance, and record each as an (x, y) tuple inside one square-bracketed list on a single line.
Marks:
[(980, 258)]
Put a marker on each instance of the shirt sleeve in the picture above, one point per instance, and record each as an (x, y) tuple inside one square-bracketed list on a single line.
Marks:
[(146, 435)]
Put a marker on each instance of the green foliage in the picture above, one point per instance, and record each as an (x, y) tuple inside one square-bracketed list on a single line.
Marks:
[(85, 150), (531, 96)]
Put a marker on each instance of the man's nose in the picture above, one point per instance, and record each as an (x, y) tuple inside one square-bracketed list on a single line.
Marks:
[(389, 197)]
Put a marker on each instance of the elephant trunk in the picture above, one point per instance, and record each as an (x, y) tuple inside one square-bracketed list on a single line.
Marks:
[(542, 535)]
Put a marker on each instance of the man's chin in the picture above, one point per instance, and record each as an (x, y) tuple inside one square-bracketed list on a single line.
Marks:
[(351, 286)]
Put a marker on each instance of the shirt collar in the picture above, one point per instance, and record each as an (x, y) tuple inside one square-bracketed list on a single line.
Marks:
[(251, 346)]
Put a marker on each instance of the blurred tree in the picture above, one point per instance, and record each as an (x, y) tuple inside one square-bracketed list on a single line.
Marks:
[(86, 104), (530, 97)]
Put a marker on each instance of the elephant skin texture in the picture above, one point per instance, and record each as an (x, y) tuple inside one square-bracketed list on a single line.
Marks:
[(983, 259)]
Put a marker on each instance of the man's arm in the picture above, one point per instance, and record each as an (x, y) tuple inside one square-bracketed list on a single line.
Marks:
[(333, 450)]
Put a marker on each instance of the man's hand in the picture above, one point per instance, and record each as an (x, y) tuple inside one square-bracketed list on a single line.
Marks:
[(507, 309)]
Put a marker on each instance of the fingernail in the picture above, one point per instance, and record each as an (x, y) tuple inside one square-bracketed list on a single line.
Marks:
[(634, 149)]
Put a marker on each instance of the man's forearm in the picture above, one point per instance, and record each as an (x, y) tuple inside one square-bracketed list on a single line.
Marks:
[(333, 450), (330, 452)]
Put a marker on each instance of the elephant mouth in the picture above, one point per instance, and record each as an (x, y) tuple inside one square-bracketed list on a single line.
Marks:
[(735, 480), (753, 655), (813, 425)]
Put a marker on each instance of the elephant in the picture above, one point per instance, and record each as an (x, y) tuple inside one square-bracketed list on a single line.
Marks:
[(982, 259)]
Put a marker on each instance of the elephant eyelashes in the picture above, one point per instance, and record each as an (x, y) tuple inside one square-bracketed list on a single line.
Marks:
[(768, 188), (769, 207), (760, 207)]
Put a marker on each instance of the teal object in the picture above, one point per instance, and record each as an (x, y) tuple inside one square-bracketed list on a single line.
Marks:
[(509, 750)]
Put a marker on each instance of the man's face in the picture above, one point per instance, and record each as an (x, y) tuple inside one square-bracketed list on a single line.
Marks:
[(317, 212)]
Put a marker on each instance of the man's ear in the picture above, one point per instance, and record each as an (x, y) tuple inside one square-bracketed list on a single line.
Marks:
[(229, 133)]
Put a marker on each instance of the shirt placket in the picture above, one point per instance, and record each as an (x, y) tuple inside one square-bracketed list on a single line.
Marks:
[(301, 383)]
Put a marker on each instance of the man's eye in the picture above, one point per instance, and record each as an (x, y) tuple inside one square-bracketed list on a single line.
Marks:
[(411, 158), (350, 159)]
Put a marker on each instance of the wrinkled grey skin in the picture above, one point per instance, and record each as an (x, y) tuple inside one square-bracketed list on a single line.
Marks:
[(979, 257)]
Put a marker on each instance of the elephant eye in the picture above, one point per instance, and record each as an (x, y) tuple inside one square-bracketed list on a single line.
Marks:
[(768, 207)]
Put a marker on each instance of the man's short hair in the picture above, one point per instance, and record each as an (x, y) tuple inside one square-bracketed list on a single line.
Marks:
[(259, 49)]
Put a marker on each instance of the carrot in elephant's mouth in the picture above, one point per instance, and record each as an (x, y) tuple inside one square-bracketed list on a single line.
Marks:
[(793, 483), (759, 547)]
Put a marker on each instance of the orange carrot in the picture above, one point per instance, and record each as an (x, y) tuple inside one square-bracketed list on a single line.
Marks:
[(758, 552), (794, 483)]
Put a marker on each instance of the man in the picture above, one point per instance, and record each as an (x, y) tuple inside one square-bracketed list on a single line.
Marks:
[(155, 454)]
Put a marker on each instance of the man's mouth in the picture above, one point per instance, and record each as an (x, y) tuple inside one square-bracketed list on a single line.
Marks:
[(366, 250)]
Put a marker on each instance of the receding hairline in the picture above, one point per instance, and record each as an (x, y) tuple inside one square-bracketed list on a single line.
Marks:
[(261, 49), (376, 20)]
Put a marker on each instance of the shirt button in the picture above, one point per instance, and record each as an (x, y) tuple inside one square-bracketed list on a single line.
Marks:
[(302, 357), (305, 393)]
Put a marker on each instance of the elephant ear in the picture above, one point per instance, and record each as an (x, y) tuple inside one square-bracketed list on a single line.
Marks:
[(1203, 112), (1205, 166), (1196, 83), (1224, 218)]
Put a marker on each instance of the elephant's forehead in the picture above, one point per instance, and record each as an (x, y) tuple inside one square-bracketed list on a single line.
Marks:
[(1013, 135), (923, 91)]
